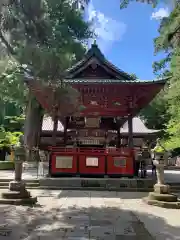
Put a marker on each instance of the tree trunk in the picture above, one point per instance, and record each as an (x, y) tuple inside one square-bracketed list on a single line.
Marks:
[(33, 123)]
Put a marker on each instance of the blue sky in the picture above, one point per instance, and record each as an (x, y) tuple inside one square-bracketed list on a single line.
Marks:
[(126, 36)]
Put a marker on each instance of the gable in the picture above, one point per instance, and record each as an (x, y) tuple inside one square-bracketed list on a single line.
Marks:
[(94, 71), (94, 68), (95, 65)]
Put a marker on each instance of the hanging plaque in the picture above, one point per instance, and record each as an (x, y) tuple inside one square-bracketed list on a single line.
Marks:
[(76, 122), (92, 122), (92, 162), (119, 162), (64, 161)]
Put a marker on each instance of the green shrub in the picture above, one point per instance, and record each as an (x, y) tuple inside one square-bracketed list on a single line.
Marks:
[(6, 165)]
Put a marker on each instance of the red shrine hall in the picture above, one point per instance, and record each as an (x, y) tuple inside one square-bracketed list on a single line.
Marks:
[(108, 97)]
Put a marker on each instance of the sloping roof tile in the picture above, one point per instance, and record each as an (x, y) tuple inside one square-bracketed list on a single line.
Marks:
[(138, 127), (47, 125)]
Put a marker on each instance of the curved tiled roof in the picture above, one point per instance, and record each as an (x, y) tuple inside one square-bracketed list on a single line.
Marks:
[(47, 125), (138, 127)]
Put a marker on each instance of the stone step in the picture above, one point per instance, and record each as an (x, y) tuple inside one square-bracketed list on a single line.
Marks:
[(97, 189), (28, 187), (173, 190), (177, 184), (30, 184), (86, 189), (25, 180), (103, 189)]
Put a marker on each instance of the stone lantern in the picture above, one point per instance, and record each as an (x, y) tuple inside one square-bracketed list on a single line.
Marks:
[(19, 158), (159, 160), (18, 193), (161, 195)]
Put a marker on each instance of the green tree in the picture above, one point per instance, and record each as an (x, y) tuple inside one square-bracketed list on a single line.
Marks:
[(12, 90), (156, 114), (170, 44), (44, 38), (154, 3)]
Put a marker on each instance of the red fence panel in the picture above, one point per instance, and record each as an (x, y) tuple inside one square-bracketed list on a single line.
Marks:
[(120, 162), (65, 163), (91, 165), (92, 161)]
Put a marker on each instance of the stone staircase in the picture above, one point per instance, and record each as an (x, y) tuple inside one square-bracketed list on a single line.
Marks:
[(31, 184), (97, 184), (120, 185)]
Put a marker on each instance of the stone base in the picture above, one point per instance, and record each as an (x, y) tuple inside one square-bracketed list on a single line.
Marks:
[(24, 201), (165, 200), (161, 188), (170, 205), (16, 195), (162, 197), (17, 186)]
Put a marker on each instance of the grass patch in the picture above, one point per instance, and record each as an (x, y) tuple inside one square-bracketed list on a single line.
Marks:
[(6, 165)]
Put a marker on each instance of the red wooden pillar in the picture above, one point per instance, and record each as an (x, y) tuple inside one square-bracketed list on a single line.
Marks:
[(54, 134), (130, 139), (130, 135), (118, 138), (65, 130), (118, 125)]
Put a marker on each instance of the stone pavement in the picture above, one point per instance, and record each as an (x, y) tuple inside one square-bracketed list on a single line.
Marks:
[(88, 215)]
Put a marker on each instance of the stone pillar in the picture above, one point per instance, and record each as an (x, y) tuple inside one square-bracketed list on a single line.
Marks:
[(18, 171), (17, 184), (160, 186), (160, 172)]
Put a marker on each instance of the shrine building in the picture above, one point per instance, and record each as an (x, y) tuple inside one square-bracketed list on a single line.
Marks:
[(88, 140), (141, 134)]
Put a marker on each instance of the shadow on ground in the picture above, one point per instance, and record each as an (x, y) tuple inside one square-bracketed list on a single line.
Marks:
[(57, 219), (98, 194)]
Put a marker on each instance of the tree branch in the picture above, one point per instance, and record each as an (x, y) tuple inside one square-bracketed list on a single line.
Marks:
[(7, 45)]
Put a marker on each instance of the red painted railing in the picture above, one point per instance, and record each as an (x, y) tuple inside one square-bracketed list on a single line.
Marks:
[(85, 150)]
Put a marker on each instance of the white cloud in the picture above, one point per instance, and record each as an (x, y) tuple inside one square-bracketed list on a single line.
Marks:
[(160, 13), (108, 30)]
